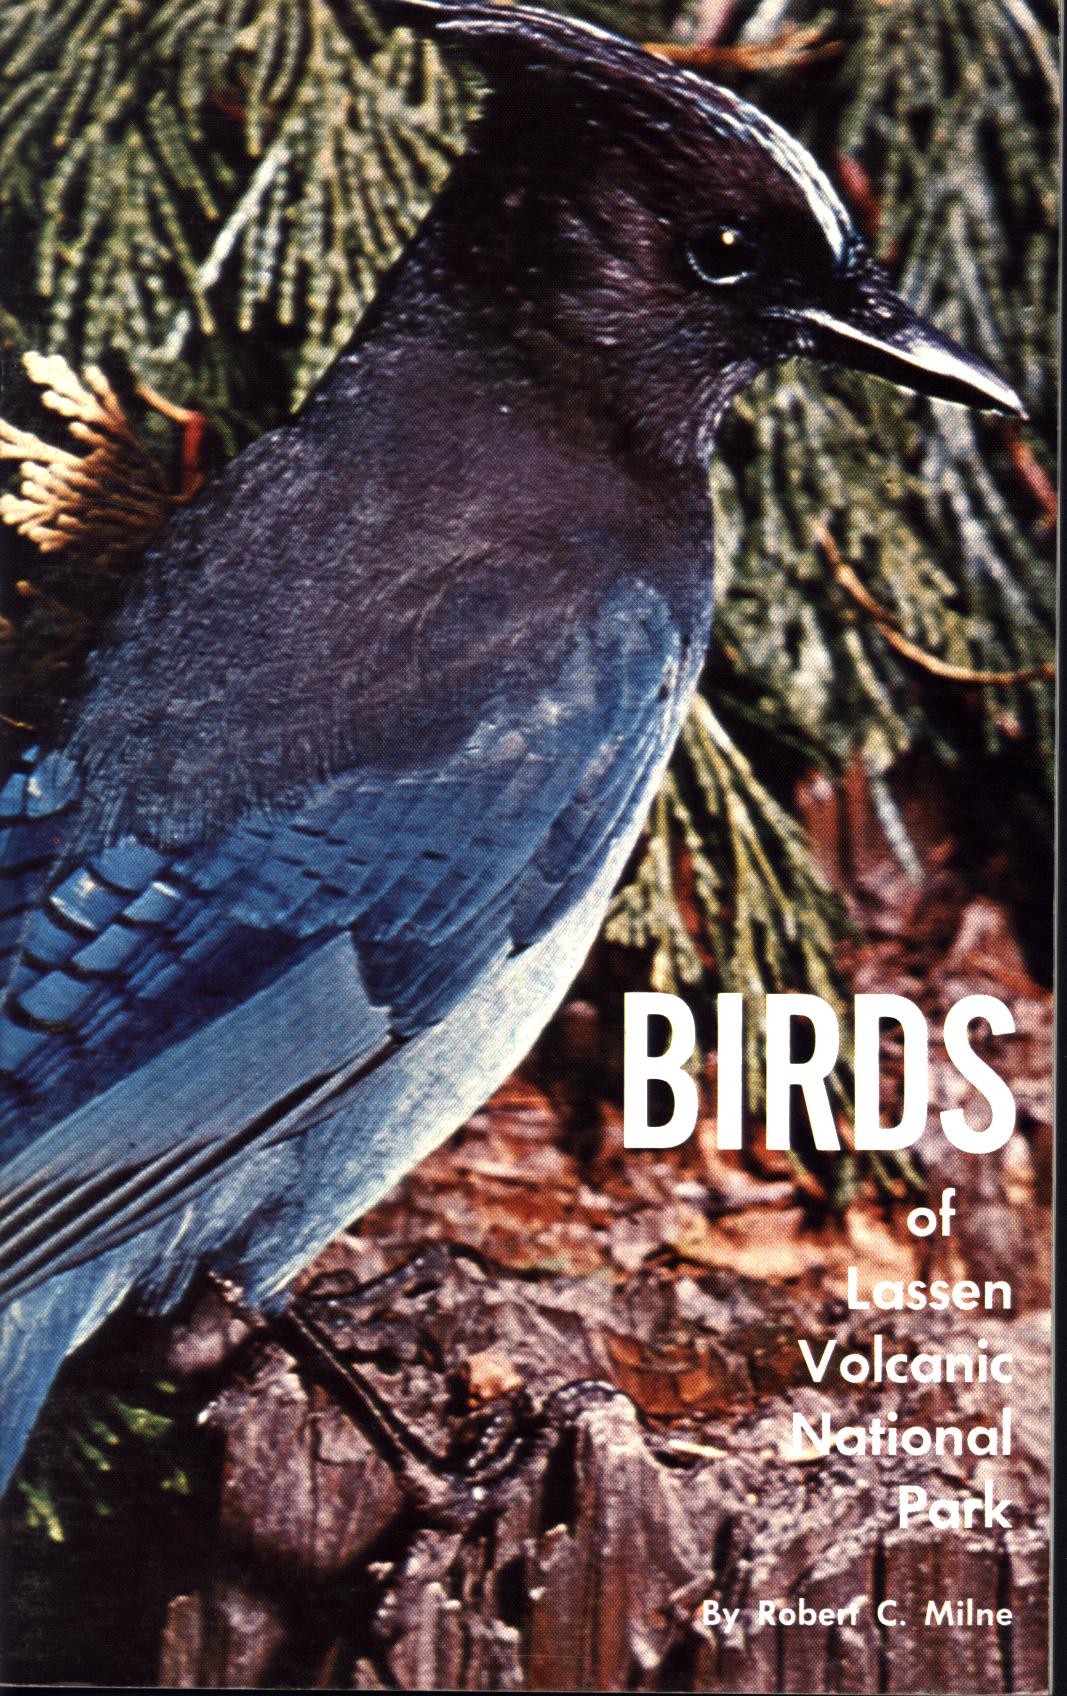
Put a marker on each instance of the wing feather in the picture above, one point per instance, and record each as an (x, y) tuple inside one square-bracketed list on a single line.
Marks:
[(176, 1011)]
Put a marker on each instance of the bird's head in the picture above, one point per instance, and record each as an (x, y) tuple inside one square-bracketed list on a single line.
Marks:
[(659, 240)]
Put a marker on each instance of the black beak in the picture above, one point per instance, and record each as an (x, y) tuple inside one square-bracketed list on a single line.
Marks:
[(868, 327)]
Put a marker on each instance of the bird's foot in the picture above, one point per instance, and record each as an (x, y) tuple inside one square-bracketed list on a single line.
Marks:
[(337, 1326)]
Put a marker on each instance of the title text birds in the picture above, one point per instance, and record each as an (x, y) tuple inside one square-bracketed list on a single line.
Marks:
[(338, 813)]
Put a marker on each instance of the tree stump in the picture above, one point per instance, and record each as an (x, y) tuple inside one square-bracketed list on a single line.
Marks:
[(576, 1491)]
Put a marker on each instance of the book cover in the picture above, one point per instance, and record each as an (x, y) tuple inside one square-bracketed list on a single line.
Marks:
[(526, 844)]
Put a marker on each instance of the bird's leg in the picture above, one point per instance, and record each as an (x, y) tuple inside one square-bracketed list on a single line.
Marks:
[(423, 1272), (321, 1322), (423, 1476), (451, 1493)]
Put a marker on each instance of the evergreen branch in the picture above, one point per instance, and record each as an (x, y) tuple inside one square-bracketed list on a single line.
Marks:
[(847, 578), (771, 921), (101, 504), (147, 227)]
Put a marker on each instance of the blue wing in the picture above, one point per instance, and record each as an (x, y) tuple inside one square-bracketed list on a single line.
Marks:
[(229, 992)]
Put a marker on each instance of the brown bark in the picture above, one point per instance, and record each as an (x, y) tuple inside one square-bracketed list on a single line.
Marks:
[(575, 1547)]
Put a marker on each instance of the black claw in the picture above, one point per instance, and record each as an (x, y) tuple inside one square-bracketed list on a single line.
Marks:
[(450, 1492)]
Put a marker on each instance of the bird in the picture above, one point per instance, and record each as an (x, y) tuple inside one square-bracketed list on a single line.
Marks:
[(335, 815)]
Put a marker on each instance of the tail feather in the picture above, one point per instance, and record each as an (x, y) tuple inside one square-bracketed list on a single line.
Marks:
[(37, 1332)]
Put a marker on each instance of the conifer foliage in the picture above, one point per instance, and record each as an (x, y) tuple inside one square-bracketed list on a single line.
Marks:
[(188, 169)]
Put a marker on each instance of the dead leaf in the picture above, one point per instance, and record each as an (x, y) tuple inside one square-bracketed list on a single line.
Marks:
[(488, 1376), (671, 1380)]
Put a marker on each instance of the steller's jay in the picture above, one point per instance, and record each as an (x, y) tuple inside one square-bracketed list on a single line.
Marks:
[(363, 753)]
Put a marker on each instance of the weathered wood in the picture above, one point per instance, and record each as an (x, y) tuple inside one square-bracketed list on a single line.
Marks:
[(577, 1557)]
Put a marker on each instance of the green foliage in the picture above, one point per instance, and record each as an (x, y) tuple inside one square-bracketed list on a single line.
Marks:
[(950, 109), (769, 921), (197, 170), (962, 137), (96, 1447)]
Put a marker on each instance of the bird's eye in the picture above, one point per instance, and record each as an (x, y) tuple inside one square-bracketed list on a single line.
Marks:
[(721, 255)]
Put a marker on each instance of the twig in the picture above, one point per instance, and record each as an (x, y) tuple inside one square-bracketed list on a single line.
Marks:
[(1033, 475), (793, 47), (859, 192), (850, 582), (194, 426)]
